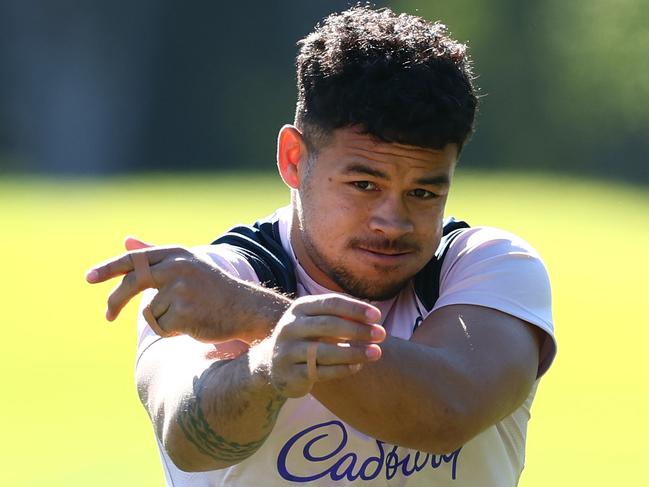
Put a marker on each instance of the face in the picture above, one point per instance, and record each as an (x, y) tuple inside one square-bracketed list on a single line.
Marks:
[(368, 215)]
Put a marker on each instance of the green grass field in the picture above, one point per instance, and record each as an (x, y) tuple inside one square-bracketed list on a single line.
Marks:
[(70, 414)]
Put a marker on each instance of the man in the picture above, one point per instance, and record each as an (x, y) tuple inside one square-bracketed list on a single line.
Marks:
[(395, 364)]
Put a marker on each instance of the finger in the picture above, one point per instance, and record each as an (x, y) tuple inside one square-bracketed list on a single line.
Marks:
[(167, 323), (130, 287), (123, 264), (120, 296), (330, 372), (338, 305), (336, 328), (133, 243), (160, 303), (311, 358), (334, 354), (155, 325)]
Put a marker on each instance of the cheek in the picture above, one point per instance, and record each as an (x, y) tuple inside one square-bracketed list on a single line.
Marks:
[(341, 213), (430, 234)]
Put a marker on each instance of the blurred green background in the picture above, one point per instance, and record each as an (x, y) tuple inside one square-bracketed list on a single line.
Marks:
[(91, 87), (151, 118), (70, 412)]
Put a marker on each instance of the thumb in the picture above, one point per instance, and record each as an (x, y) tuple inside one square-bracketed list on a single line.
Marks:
[(132, 243)]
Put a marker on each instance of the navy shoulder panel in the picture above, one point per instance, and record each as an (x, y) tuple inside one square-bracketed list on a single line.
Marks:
[(427, 279), (261, 246)]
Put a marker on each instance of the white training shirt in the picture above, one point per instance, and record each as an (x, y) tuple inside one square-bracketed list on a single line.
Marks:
[(309, 445)]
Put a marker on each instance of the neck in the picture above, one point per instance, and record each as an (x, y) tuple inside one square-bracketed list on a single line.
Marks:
[(303, 257)]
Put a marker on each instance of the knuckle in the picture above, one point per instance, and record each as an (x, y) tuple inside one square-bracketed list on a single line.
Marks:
[(281, 352), (337, 327), (363, 333), (302, 373), (171, 251), (320, 323), (360, 355), (128, 281), (178, 257), (182, 309), (302, 303), (171, 322), (333, 301), (355, 308), (164, 323), (290, 317), (112, 302), (336, 299), (176, 264), (353, 354), (180, 287), (181, 250), (103, 271)]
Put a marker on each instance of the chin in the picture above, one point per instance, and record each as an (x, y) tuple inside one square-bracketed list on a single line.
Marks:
[(372, 291)]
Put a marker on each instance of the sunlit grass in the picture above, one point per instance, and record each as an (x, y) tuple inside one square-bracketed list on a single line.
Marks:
[(70, 411)]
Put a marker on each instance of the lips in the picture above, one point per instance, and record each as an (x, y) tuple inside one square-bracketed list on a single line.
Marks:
[(384, 252), (385, 257)]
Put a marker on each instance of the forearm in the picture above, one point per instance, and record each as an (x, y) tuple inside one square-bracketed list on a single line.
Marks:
[(415, 396), (465, 368), (215, 417)]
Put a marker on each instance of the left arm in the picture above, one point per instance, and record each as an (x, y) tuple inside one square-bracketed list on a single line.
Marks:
[(465, 368)]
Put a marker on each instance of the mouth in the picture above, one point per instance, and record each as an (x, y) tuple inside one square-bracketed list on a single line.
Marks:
[(388, 257)]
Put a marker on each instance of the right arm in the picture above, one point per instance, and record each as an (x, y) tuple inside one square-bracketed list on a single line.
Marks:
[(209, 410), (209, 407), (212, 407)]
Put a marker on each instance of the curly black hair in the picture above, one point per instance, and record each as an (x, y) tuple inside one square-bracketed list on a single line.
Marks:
[(399, 78)]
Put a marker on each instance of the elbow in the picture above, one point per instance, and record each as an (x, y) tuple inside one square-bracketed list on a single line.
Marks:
[(178, 444), (187, 456), (452, 428), (171, 440), (448, 440), (178, 452), (444, 440)]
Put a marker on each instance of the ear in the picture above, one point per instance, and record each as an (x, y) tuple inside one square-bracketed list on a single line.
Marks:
[(291, 152)]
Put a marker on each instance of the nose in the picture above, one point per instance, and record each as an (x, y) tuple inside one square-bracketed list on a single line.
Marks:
[(391, 218)]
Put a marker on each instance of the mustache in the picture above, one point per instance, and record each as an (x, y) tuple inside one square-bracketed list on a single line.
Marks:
[(398, 246)]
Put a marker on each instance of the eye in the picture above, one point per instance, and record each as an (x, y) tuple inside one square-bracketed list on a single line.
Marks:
[(423, 194), (365, 185)]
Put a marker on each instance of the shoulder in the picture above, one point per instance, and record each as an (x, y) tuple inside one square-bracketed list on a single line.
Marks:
[(486, 248), (494, 268), (496, 263), (489, 240)]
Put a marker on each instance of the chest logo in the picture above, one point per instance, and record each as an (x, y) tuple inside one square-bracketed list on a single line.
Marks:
[(319, 452)]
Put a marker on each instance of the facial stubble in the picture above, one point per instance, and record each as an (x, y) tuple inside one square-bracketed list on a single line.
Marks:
[(352, 284)]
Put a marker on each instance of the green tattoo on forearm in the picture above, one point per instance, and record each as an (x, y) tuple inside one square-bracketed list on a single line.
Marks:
[(272, 409), (198, 431)]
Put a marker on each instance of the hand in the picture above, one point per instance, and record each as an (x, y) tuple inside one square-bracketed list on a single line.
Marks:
[(190, 290), (341, 328)]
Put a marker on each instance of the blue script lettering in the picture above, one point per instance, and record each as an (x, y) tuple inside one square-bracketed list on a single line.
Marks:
[(318, 451)]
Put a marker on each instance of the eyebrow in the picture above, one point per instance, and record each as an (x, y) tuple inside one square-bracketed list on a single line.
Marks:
[(362, 169), (439, 180)]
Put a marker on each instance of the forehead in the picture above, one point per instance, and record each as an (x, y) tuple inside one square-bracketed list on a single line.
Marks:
[(349, 145)]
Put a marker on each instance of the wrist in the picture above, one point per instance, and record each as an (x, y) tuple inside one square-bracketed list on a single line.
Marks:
[(260, 362), (264, 308), (241, 310)]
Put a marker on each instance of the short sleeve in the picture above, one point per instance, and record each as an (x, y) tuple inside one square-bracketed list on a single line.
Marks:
[(496, 269), (225, 257)]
